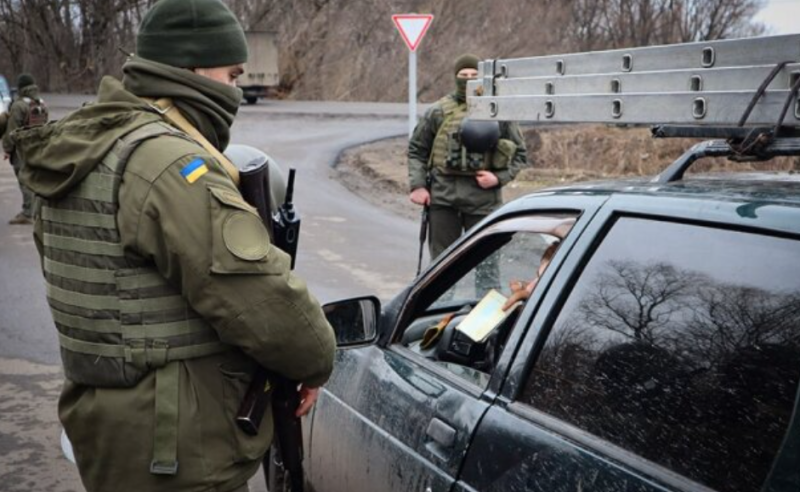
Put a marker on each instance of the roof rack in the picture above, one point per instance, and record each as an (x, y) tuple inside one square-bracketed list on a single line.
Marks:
[(722, 148), (730, 83)]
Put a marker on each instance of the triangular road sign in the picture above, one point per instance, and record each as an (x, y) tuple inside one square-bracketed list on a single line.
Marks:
[(412, 27)]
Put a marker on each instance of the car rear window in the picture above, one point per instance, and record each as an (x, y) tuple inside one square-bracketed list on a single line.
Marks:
[(680, 343)]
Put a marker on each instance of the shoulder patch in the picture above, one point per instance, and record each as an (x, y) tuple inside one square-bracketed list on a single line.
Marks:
[(194, 170), (155, 156), (245, 236)]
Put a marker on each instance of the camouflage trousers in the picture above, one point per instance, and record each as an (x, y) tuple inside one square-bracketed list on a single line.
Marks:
[(27, 194), (447, 224)]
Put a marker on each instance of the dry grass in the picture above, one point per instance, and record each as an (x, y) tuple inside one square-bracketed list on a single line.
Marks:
[(557, 156), (593, 151)]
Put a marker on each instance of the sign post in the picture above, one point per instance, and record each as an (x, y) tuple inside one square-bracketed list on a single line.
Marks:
[(412, 29)]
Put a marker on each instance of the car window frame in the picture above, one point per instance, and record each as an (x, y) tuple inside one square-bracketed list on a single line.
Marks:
[(583, 206), (778, 221)]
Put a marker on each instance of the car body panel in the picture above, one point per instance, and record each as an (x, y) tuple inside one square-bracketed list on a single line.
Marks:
[(511, 454), (374, 413), (584, 461), (387, 438)]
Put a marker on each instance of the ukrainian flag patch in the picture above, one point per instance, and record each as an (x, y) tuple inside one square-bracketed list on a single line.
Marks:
[(192, 171)]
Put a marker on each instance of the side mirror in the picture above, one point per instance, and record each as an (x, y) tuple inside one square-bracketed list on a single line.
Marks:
[(354, 321)]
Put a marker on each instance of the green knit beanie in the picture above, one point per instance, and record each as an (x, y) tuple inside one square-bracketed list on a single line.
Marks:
[(191, 34), (466, 61), (25, 80)]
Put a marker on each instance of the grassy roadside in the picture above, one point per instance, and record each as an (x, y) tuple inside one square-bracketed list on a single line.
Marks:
[(557, 155)]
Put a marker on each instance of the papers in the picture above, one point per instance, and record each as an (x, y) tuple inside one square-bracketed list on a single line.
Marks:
[(485, 317)]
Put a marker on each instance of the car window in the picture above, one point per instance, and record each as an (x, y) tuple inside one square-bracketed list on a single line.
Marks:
[(516, 260), (680, 343), (491, 274), (4, 90)]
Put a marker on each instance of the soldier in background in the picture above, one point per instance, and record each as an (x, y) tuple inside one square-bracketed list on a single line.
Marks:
[(164, 288), (27, 110), (465, 187)]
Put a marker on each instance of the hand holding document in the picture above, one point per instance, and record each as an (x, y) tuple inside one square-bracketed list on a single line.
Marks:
[(485, 317)]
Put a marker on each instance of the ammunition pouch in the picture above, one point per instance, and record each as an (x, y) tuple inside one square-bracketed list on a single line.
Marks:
[(458, 160), (503, 154), (450, 156)]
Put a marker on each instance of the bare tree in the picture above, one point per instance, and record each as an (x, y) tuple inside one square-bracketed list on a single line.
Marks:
[(348, 49), (728, 318), (600, 24), (638, 301), (68, 44)]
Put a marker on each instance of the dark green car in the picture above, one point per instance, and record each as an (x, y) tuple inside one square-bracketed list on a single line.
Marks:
[(659, 350)]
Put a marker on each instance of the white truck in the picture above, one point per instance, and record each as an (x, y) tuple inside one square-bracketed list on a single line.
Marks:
[(261, 69)]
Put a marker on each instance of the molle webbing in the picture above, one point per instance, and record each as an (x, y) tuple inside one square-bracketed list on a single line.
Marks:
[(453, 114), (117, 317)]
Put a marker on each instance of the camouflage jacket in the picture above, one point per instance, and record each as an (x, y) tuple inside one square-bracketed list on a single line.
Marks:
[(17, 115), (187, 225), (461, 192)]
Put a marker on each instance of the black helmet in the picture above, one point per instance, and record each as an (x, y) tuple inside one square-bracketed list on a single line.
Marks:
[(479, 137)]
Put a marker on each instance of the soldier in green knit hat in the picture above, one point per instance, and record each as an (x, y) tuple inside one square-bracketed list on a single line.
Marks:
[(28, 109), (165, 291), (465, 186)]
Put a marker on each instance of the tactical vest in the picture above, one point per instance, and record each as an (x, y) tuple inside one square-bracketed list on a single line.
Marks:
[(449, 157), (117, 317), (37, 112)]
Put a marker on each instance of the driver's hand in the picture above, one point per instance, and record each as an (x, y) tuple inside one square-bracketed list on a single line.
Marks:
[(519, 292), (516, 285), (308, 396)]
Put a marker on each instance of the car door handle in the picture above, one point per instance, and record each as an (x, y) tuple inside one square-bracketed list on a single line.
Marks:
[(442, 433)]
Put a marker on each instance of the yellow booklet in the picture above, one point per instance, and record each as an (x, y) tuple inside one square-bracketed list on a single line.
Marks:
[(487, 315)]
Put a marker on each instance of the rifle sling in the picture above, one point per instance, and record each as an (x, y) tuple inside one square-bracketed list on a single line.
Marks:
[(165, 108)]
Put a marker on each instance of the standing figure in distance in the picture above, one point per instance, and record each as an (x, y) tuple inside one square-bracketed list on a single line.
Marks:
[(465, 187), (27, 110), (163, 285)]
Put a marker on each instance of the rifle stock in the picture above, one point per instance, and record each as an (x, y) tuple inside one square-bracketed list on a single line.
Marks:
[(424, 221), (284, 229)]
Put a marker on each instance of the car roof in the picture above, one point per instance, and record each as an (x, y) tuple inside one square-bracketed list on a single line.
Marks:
[(781, 188)]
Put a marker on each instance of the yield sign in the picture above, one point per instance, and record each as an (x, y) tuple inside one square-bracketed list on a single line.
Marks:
[(412, 27)]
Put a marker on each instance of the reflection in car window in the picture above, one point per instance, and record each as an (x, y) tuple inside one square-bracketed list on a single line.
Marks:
[(680, 343)]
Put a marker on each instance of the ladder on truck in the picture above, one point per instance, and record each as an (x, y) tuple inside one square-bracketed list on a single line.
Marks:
[(741, 90)]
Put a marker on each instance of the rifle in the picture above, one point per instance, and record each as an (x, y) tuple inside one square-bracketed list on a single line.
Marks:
[(284, 229), (424, 223)]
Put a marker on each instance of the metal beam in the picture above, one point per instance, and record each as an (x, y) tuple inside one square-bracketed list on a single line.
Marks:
[(708, 83), (709, 108)]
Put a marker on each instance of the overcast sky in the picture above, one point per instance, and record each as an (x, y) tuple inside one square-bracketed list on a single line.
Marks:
[(782, 16)]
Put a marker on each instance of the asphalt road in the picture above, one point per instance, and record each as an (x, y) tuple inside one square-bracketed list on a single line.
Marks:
[(347, 248)]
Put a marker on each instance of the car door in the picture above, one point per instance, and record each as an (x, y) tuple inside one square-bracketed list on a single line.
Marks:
[(665, 356), (392, 418)]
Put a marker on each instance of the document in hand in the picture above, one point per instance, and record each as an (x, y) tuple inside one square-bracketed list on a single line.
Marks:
[(485, 316)]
